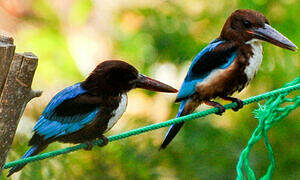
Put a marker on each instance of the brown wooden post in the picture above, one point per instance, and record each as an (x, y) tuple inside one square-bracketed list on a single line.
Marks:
[(16, 75)]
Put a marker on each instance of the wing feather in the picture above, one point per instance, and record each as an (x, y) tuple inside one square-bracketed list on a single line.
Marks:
[(218, 54), (67, 112)]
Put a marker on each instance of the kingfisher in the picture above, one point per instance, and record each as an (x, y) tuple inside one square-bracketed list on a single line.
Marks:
[(84, 111), (226, 65)]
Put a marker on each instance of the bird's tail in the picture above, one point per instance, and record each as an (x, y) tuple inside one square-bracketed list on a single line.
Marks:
[(175, 128), (35, 149)]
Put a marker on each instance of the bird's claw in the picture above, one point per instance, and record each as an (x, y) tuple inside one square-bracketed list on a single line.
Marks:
[(239, 102), (221, 110), (89, 146), (239, 106), (217, 105), (104, 141)]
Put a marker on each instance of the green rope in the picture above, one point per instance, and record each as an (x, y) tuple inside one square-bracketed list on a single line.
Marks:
[(267, 116), (274, 93)]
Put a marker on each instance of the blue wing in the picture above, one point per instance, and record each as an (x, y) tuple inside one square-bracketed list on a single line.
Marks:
[(204, 63), (52, 124)]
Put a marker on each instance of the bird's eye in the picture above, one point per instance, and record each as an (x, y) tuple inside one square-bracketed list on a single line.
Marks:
[(247, 24)]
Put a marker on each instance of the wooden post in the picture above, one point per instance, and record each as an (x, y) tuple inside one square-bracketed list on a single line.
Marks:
[(16, 74)]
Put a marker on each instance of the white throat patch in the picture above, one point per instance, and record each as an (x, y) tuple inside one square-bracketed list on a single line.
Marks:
[(118, 112), (255, 60)]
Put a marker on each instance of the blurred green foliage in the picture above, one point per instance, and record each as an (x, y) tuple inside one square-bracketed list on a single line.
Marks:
[(146, 35)]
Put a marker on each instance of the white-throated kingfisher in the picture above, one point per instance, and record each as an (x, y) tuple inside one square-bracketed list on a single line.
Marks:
[(227, 64), (85, 111)]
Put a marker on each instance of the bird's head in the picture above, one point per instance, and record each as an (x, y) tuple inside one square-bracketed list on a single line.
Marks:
[(115, 77), (244, 25)]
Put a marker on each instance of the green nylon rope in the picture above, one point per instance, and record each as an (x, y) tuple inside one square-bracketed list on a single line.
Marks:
[(268, 114), (291, 87)]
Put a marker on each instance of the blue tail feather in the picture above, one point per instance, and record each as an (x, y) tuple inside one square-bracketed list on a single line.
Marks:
[(33, 150), (174, 129)]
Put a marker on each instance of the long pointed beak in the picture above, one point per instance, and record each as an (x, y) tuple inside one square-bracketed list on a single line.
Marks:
[(153, 85), (271, 35)]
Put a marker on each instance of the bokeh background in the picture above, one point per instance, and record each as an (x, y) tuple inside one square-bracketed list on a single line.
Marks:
[(160, 38)]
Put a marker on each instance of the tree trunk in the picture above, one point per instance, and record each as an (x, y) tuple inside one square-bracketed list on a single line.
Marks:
[(16, 74)]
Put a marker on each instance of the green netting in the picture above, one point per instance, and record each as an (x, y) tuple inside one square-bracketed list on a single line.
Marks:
[(267, 115)]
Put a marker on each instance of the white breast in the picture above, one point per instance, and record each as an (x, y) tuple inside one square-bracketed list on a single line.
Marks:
[(255, 60), (118, 112)]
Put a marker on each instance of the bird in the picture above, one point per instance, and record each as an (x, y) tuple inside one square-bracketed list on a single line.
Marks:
[(86, 110), (226, 65)]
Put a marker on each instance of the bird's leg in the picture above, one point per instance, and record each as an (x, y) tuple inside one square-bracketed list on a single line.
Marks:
[(104, 141), (217, 105), (232, 99)]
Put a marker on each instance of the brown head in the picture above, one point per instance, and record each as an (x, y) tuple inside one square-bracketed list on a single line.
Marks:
[(115, 77), (244, 25)]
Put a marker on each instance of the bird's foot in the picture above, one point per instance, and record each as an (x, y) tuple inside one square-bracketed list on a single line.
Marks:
[(104, 141), (239, 102), (90, 146), (217, 105)]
